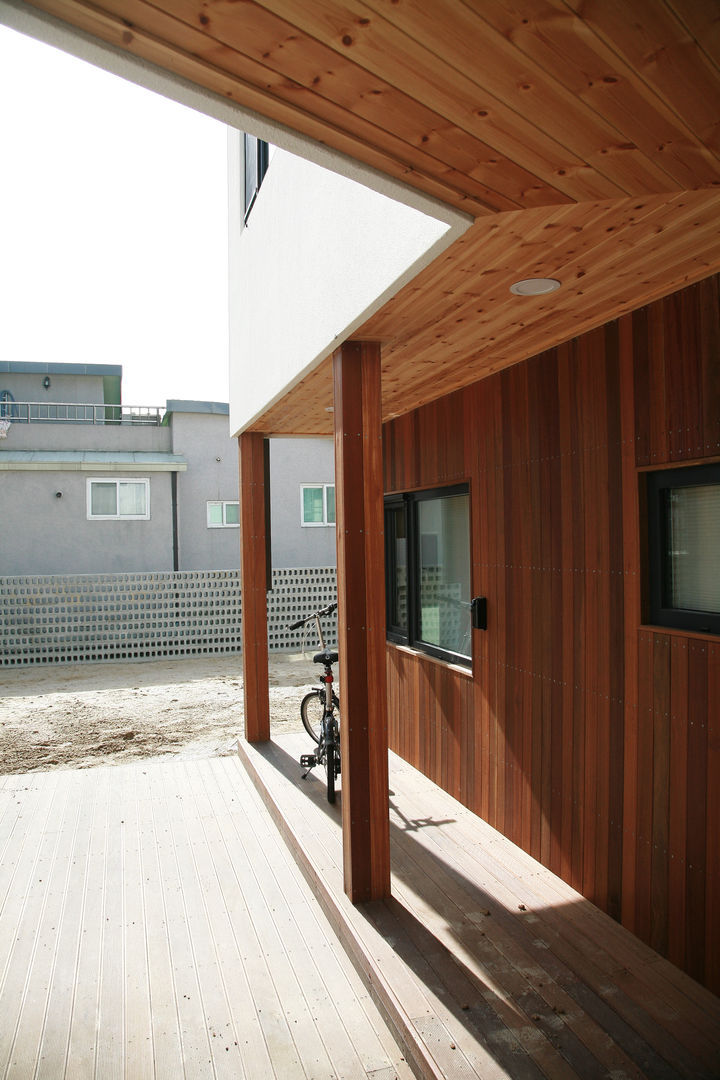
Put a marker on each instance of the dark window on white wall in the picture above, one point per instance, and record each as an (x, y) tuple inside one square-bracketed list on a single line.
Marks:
[(256, 163), (684, 547), (427, 560)]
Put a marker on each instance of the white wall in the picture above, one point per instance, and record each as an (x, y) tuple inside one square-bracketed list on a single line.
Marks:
[(320, 253)]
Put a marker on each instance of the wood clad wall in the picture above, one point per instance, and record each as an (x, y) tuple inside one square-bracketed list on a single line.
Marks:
[(584, 736)]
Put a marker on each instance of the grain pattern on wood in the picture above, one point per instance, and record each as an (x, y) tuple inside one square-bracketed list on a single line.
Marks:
[(457, 322), (483, 948), (581, 137), (254, 577), (590, 732), (467, 100), (361, 619), (154, 924)]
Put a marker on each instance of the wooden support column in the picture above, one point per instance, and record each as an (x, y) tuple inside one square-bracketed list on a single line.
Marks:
[(361, 620), (253, 567)]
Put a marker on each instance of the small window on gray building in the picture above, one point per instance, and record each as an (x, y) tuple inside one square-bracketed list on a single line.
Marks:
[(317, 504), (223, 515), (110, 499)]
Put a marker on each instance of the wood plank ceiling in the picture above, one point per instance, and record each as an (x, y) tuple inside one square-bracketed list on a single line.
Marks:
[(582, 135)]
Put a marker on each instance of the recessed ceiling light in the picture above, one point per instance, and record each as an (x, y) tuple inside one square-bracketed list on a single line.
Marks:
[(535, 286)]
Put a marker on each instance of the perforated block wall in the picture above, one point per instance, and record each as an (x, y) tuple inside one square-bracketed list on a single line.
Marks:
[(68, 618), (296, 593)]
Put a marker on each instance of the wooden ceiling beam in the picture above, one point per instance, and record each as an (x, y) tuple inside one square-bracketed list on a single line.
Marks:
[(482, 39), (658, 48), (383, 46), (702, 21), (596, 57), (327, 81), (449, 54)]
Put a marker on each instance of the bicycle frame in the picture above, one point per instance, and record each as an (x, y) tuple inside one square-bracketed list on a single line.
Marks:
[(328, 736)]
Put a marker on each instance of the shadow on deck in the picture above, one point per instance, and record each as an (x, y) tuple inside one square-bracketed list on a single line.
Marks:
[(484, 962)]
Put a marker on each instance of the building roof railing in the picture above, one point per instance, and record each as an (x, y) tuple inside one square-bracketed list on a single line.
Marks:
[(53, 412)]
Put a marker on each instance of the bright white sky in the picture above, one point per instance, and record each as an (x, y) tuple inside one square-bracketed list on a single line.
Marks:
[(113, 227)]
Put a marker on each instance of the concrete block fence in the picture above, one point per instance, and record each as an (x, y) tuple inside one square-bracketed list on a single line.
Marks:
[(96, 617)]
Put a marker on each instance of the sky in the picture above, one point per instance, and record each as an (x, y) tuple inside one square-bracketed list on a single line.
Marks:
[(113, 227)]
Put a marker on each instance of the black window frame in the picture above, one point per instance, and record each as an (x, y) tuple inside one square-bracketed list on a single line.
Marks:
[(257, 157), (658, 483), (410, 635)]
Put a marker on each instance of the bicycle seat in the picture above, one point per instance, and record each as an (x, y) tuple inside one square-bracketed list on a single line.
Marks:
[(325, 658)]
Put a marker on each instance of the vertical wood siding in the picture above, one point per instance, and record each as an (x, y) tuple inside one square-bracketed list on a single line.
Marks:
[(584, 736)]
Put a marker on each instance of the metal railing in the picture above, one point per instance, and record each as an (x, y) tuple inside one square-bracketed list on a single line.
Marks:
[(53, 412)]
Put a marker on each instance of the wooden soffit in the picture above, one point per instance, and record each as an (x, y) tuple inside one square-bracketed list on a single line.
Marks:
[(457, 321), (582, 135)]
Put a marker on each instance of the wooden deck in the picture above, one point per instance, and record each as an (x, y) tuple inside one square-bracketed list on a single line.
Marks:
[(154, 924), (486, 964)]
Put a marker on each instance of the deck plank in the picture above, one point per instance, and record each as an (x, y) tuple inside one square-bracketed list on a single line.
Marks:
[(333, 991), (22, 915), (83, 1024), (273, 877), (38, 975), (647, 992), (218, 881), (483, 949), (110, 1039), (59, 1006), (153, 924)]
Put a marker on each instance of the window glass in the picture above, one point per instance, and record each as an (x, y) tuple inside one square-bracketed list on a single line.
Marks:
[(693, 547), (396, 526), (214, 513), (683, 519), (131, 499), (118, 499), (103, 499), (330, 496), (444, 573), (313, 505), (256, 162), (427, 559), (222, 514)]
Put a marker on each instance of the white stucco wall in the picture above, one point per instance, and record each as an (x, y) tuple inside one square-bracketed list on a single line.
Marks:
[(319, 254)]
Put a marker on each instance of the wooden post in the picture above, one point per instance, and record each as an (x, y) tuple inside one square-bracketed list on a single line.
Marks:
[(253, 567), (361, 620)]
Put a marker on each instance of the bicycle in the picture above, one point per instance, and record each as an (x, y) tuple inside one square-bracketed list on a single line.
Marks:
[(320, 709)]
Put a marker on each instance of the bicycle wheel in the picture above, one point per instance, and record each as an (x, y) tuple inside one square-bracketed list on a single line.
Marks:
[(312, 708), (330, 771)]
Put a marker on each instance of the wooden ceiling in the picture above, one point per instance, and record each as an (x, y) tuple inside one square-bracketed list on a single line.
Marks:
[(583, 136)]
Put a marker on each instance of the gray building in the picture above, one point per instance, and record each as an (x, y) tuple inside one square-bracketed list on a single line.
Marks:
[(90, 486), (302, 502)]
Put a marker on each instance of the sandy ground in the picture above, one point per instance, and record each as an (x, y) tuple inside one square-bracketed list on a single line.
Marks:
[(80, 715)]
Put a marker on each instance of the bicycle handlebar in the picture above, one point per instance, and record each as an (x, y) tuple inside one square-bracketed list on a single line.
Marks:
[(308, 618)]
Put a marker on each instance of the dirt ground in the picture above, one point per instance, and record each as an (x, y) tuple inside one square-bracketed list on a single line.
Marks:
[(80, 715)]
